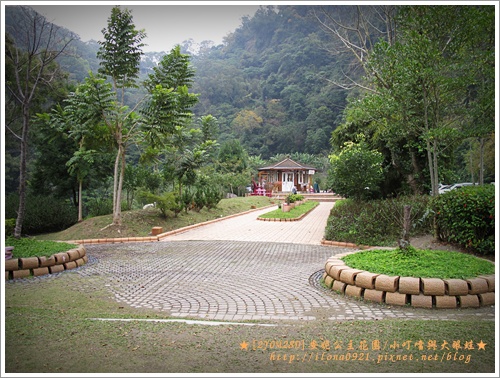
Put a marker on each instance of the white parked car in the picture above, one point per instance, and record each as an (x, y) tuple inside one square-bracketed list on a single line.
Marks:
[(455, 186), (442, 188)]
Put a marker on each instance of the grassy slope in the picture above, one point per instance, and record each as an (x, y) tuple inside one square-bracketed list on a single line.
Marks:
[(138, 223)]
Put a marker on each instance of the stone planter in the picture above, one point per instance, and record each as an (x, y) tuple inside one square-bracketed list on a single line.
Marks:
[(286, 208), (8, 252), (409, 291), (38, 266)]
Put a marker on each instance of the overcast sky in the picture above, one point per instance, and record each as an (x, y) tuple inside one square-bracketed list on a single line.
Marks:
[(165, 24)]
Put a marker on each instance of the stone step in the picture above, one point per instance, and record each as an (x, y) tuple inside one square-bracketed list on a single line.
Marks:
[(320, 197)]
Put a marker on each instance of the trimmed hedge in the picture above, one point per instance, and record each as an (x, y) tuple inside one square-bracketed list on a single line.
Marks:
[(466, 216), (377, 222)]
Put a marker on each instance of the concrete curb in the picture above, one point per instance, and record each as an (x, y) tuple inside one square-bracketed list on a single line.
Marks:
[(343, 244)]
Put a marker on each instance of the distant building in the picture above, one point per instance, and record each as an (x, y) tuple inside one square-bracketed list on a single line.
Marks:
[(286, 174)]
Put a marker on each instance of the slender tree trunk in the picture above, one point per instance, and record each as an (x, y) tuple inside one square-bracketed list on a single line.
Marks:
[(119, 173), (404, 242), (481, 162), (434, 184), (22, 172), (80, 212), (411, 178), (435, 170), (431, 169), (471, 164), (115, 182)]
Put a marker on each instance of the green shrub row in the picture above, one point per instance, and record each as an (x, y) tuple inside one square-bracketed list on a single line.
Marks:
[(377, 222), (172, 202), (42, 214), (466, 216), (292, 198)]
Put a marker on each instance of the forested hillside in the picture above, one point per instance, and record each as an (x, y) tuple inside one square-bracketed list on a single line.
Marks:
[(268, 85), (413, 86)]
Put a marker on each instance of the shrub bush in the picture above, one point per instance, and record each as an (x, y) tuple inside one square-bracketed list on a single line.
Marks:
[(199, 199), (43, 213), (466, 216), (377, 222), (292, 198), (96, 206), (187, 199), (213, 195), (166, 202), (10, 225), (356, 171)]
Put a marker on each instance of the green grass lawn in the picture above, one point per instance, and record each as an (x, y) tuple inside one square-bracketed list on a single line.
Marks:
[(27, 247), (296, 212), (420, 263), (49, 329)]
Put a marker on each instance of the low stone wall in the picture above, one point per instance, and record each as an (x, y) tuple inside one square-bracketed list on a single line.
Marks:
[(38, 266), (408, 291)]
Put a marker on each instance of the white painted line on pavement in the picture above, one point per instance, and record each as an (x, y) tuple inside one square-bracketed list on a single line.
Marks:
[(187, 321)]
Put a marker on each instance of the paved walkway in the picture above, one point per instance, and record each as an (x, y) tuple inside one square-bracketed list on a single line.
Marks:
[(234, 270), (310, 230)]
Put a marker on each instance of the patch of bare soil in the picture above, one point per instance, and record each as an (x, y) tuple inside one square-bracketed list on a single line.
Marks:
[(429, 242)]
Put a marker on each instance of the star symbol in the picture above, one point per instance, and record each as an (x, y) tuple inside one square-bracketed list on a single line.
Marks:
[(481, 345), (244, 345)]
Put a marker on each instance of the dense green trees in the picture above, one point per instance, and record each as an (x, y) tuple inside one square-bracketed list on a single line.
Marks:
[(268, 85), (422, 102), (31, 48), (417, 82), (97, 119)]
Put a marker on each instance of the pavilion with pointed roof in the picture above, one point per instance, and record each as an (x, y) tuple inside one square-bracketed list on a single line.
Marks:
[(286, 174)]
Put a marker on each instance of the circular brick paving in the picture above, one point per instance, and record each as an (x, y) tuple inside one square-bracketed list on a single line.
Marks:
[(231, 280)]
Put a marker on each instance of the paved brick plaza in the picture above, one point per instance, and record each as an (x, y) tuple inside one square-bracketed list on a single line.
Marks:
[(235, 269)]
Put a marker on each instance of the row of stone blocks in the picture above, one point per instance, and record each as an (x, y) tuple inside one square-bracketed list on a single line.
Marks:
[(142, 239), (39, 266), (417, 292)]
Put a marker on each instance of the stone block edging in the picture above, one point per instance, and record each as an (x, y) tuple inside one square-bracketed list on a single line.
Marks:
[(334, 243), (408, 291), (38, 266)]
